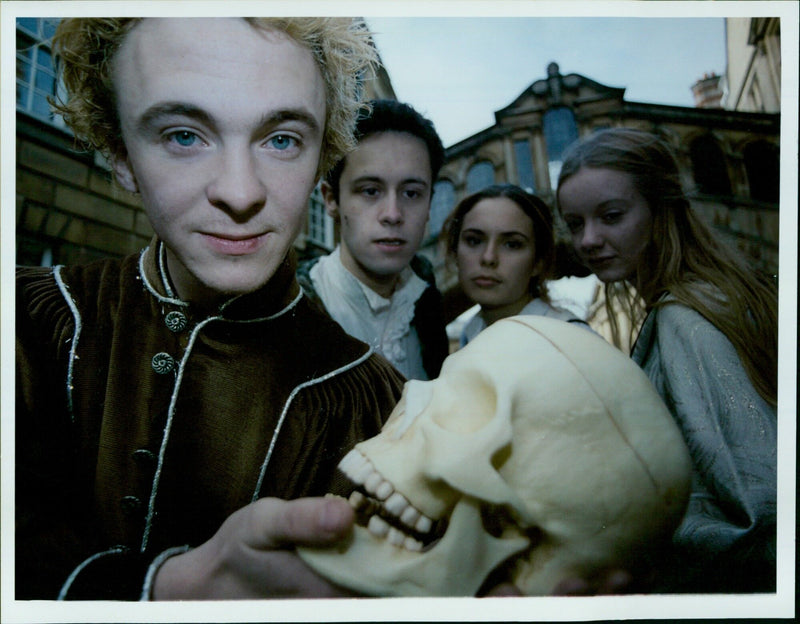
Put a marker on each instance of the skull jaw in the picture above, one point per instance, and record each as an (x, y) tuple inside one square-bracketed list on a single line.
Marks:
[(551, 563), (455, 566)]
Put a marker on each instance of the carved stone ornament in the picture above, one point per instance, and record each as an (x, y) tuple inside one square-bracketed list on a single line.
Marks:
[(540, 448)]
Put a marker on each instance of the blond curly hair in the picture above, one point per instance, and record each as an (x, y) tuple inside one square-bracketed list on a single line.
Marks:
[(85, 49)]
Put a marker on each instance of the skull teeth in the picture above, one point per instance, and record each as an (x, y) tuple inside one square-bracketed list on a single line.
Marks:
[(357, 500), (424, 524), (396, 537), (396, 504), (378, 526), (384, 491), (411, 544), (410, 516), (361, 471)]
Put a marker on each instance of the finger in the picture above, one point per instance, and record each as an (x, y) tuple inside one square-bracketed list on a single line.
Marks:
[(305, 521)]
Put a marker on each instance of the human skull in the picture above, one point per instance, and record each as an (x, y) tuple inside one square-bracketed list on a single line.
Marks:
[(540, 448)]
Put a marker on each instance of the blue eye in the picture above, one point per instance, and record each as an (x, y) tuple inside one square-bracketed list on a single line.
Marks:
[(184, 138), (282, 142)]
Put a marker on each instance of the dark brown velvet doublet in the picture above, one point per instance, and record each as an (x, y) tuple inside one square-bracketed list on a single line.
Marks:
[(142, 424)]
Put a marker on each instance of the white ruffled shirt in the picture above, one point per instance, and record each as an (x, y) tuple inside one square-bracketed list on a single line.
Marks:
[(535, 307), (383, 323)]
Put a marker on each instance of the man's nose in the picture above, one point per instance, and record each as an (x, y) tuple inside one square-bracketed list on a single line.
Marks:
[(237, 186), (391, 211)]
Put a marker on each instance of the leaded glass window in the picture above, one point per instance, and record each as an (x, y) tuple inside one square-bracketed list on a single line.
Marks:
[(36, 76), (560, 130), (320, 224)]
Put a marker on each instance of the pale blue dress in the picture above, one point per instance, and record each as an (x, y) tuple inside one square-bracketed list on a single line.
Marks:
[(726, 542)]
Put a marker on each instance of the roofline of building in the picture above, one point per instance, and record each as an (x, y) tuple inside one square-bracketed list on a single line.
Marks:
[(711, 117)]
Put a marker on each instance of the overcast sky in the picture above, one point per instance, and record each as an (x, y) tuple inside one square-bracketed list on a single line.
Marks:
[(459, 70)]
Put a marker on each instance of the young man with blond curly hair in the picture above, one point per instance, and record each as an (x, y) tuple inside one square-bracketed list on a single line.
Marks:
[(173, 405)]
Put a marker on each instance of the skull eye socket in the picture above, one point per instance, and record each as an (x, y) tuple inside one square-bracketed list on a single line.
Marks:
[(467, 401)]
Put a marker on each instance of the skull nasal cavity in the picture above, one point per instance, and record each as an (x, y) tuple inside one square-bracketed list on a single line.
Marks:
[(463, 401)]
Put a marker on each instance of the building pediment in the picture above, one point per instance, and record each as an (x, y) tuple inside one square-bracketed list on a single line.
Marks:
[(559, 90)]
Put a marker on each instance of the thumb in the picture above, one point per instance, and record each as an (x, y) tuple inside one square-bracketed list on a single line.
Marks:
[(301, 522)]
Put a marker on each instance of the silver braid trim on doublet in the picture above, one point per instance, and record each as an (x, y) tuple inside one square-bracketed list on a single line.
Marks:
[(169, 299), (167, 428), (271, 317), (294, 392), (162, 269), (180, 368), (62, 595), (73, 355), (155, 566)]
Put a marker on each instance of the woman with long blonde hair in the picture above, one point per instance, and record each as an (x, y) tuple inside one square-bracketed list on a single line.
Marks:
[(708, 343)]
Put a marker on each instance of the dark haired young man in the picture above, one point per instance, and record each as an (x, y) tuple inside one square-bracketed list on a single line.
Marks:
[(374, 284)]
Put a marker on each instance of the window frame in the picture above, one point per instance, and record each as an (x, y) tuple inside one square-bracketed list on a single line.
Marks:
[(31, 98)]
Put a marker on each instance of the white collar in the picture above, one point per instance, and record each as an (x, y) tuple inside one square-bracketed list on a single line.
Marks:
[(384, 323)]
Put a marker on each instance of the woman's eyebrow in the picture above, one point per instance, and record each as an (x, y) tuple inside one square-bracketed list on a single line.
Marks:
[(508, 234), (514, 234)]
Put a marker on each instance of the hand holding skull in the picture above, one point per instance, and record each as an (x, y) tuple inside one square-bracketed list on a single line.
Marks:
[(252, 554)]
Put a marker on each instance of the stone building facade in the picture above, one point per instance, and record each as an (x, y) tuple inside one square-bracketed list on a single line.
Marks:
[(730, 159), (68, 209), (753, 74)]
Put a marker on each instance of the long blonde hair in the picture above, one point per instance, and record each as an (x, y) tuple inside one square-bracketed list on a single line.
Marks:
[(684, 258), (86, 47)]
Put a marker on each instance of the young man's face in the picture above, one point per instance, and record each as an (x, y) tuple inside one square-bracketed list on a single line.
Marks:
[(383, 207), (223, 126)]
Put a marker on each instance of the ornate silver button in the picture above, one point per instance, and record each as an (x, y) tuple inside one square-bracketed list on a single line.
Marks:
[(175, 321), (163, 363), (131, 505), (144, 457)]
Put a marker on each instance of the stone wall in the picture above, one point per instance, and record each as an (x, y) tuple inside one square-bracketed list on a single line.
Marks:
[(66, 201)]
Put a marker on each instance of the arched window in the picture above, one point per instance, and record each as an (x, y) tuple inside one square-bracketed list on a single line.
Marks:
[(708, 166), (560, 130), (762, 163), (522, 154), (480, 175), (444, 197)]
